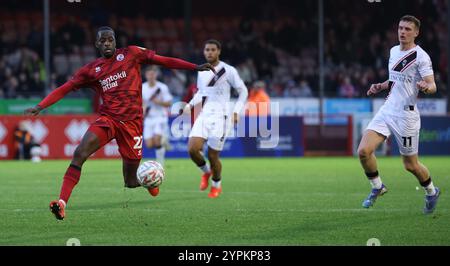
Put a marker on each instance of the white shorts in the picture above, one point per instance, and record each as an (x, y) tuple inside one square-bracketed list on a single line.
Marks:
[(405, 130), (212, 128), (153, 127)]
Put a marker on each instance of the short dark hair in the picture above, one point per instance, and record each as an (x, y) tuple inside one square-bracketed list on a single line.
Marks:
[(216, 42), (412, 19), (152, 68), (105, 28)]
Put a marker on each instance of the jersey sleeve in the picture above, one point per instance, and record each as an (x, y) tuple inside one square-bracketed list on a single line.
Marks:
[(237, 83), (81, 78), (56, 95), (142, 55), (425, 66), (390, 59), (234, 79), (145, 94), (166, 96), (172, 62), (196, 99)]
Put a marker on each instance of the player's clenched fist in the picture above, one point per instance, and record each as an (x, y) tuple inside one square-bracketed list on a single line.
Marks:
[(423, 86), (185, 110), (374, 89), (205, 67), (34, 111)]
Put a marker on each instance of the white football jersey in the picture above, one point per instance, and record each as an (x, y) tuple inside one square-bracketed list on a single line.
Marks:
[(159, 92), (406, 68), (214, 90)]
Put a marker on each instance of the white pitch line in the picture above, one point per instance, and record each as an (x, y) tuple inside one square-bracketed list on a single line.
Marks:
[(337, 210), (270, 193), (255, 211)]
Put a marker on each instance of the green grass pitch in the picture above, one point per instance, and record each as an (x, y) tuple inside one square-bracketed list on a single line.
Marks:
[(266, 202)]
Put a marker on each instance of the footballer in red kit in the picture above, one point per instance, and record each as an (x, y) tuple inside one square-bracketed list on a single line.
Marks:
[(116, 77)]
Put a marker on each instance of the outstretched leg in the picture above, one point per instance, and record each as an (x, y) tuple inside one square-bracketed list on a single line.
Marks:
[(420, 171), (195, 147), (216, 167), (90, 143), (129, 168), (366, 152)]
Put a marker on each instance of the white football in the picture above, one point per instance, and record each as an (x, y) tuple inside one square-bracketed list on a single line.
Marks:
[(150, 174)]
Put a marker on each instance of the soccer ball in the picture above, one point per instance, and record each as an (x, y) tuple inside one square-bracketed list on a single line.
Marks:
[(150, 174)]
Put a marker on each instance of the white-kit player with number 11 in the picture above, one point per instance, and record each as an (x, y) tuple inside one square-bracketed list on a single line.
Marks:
[(216, 117), (410, 72)]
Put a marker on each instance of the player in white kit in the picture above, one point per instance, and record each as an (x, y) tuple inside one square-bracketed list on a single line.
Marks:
[(216, 117), (410, 72), (156, 100)]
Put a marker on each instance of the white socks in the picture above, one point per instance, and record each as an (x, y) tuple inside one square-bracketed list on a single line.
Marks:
[(160, 155), (376, 182), (430, 190), (205, 168), (63, 202), (216, 184)]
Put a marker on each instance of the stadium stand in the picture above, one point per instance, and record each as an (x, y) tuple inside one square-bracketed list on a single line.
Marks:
[(275, 43)]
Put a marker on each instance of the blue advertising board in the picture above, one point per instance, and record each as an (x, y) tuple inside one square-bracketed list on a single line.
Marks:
[(344, 106), (273, 137), (434, 136)]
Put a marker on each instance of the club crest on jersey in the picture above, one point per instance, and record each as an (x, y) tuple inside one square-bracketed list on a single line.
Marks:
[(120, 57), (97, 69), (404, 62)]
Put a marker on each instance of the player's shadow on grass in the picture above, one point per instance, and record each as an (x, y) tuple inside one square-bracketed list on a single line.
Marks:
[(130, 203)]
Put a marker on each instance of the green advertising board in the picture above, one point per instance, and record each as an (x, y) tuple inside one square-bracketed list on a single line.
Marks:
[(64, 106)]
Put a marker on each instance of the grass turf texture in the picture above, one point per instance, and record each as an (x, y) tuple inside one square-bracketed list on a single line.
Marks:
[(306, 201)]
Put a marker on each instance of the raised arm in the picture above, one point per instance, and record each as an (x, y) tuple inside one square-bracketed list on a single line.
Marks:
[(242, 99), (146, 56), (79, 79), (52, 98), (175, 63)]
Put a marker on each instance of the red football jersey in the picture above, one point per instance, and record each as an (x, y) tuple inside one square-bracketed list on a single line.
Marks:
[(118, 82)]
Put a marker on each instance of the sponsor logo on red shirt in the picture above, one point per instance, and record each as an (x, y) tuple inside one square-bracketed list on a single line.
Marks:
[(112, 81)]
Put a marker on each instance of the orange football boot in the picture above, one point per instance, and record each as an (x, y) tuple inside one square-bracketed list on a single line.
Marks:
[(215, 192), (57, 208), (204, 182), (153, 191)]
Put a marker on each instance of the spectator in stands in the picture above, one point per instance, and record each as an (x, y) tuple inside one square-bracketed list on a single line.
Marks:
[(258, 100), (36, 84), (176, 81), (71, 33), (276, 89), (26, 146), (304, 89), (247, 71), (346, 89), (11, 87), (270, 37), (291, 89)]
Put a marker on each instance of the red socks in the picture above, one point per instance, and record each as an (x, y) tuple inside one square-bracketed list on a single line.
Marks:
[(71, 178)]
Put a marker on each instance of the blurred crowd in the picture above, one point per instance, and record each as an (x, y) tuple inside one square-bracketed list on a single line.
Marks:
[(273, 42)]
